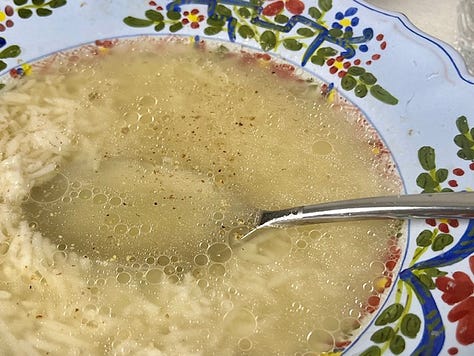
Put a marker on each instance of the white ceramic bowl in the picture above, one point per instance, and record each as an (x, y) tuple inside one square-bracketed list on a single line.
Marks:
[(413, 89)]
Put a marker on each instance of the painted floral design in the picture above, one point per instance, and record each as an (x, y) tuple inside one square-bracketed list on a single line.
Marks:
[(41, 8), (359, 78), (193, 18), (395, 322), (5, 18), (284, 23), (346, 21), (154, 4), (443, 225), (25, 9), (338, 65), (295, 7), (20, 71), (458, 173), (7, 51), (458, 291)]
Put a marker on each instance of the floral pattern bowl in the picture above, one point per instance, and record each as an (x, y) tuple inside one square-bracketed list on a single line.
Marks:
[(413, 89)]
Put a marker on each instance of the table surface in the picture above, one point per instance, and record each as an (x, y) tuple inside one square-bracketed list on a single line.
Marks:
[(451, 21)]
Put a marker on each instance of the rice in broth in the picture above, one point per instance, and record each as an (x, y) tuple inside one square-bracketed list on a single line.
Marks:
[(123, 179)]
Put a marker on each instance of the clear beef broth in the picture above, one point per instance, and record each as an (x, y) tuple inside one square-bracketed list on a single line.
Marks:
[(171, 151)]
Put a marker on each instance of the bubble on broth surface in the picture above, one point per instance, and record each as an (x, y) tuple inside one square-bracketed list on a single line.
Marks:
[(348, 325), (59, 257), (123, 277), (85, 194), (240, 322), (173, 279), (322, 148), (198, 272), (163, 260), (377, 267), (100, 199), (203, 283), (169, 270), (120, 229), (115, 201), (50, 190), (201, 260), (245, 344), (219, 252), (105, 310), (100, 282), (154, 276), (301, 243), (133, 231), (216, 270), (147, 101), (320, 340), (146, 118), (4, 246), (75, 185)]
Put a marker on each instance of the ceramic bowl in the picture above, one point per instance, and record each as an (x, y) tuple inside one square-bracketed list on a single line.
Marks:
[(412, 89)]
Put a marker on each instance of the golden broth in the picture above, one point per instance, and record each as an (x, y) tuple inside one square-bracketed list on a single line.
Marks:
[(161, 154)]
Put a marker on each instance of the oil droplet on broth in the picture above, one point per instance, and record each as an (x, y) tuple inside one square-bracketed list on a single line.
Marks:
[(168, 193)]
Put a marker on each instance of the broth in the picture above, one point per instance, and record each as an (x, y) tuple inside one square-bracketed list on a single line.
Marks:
[(138, 166)]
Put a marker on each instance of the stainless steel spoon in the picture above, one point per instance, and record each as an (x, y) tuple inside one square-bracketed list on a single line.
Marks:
[(458, 205)]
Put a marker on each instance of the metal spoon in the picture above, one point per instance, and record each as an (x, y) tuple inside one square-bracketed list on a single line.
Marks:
[(458, 205)]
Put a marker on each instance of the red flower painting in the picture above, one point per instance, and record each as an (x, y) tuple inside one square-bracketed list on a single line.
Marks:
[(295, 7), (458, 290)]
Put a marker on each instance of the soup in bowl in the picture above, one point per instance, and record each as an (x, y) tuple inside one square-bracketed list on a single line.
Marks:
[(131, 162)]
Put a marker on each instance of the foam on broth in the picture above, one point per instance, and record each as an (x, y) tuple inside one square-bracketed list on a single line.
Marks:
[(167, 151)]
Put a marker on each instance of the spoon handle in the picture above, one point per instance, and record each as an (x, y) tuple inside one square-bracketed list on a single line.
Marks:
[(439, 205)]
